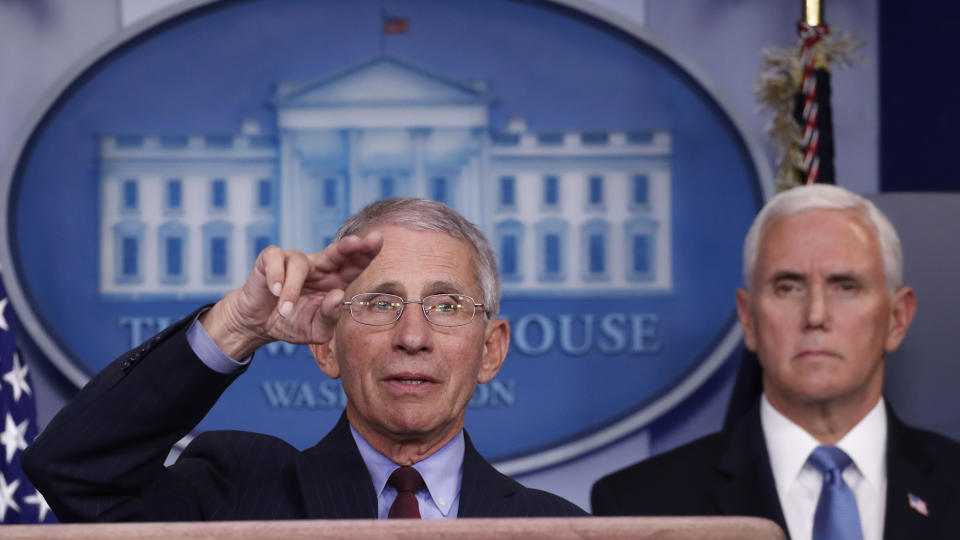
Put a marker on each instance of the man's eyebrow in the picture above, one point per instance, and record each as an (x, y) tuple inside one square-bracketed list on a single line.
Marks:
[(788, 275), (390, 287), (434, 287), (791, 275), (444, 286), (843, 276)]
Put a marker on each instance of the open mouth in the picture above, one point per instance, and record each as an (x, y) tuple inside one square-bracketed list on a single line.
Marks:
[(410, 379)]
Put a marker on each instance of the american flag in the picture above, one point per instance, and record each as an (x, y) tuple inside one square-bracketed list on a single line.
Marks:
[(20, 502), (394, 25), (812, 110), (918, 504), (794, 84)]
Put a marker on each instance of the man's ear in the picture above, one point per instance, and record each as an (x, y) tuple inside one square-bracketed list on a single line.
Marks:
[(746, 319), (325, 357), (495, 344), (903, 306)]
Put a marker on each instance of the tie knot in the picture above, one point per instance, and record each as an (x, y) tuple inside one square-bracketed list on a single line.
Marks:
[(406, 479), (830, 461)]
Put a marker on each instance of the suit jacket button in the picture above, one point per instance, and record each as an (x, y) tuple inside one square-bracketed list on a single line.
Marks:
[(125, 365)]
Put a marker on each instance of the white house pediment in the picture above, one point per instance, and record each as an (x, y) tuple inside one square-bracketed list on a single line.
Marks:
[(383, 80)]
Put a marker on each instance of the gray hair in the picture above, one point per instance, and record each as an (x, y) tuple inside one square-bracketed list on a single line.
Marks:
[(826, 197), (428, 215)]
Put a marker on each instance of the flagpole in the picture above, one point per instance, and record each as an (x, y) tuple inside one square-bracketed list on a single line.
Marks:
[(383, 20), (813, 12), (812, 30)]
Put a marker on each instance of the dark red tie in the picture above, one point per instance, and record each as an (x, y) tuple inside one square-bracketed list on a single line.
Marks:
[(407, 481)]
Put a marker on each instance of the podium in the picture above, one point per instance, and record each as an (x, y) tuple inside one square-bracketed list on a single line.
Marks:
[(659, 528)]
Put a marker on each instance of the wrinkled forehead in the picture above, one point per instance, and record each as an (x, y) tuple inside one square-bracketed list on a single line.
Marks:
[(831, 230), (421, 259)]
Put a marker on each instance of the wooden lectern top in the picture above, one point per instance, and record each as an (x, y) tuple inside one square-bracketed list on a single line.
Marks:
[(659, 528)]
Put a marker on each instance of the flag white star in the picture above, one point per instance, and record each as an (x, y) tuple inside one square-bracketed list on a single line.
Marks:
[(3, 320), (17, 377), (12, 437), (6, 496), (40, 502)]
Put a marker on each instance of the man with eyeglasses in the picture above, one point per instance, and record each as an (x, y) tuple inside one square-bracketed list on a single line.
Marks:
[(402, 307)]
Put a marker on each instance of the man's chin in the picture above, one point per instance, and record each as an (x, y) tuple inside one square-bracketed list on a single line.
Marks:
[(421, 425), (825, 393), (406, 423)]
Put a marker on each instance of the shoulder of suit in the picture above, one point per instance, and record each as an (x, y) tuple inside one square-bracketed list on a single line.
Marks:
[(483, 480), (698, 455), (934, 438), (546, 504), (539, 503), (944, 450)]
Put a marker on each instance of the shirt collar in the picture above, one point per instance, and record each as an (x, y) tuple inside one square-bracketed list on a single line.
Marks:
[(866, 444), (789, 445), (441, 471)]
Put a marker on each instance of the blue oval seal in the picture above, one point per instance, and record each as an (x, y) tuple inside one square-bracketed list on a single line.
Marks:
[(612, 183)]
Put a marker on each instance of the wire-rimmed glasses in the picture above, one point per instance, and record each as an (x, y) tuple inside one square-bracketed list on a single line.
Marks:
[(381, 309)]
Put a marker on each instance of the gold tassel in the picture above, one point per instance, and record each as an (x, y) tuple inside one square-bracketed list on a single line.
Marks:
[(776, 90)]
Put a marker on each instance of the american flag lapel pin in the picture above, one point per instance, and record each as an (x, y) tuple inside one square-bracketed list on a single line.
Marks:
[(918, 504)]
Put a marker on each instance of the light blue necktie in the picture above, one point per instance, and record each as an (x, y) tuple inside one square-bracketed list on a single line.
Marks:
[(837, 517)]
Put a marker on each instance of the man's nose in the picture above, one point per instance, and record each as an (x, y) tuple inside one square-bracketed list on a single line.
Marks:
[(818, 308), (413, 331)]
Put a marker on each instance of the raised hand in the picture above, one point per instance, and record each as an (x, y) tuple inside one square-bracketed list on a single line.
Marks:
[(289, 296)]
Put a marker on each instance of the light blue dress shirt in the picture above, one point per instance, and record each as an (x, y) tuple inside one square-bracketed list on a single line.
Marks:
[(209, 353), (441, 472)]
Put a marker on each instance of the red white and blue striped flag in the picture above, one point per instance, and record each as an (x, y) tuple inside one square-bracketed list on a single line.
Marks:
[(918, 504), (794, 85), (395, 25), (812, 110), (20, 502)]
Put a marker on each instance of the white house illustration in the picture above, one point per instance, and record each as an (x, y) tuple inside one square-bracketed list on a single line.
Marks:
[(570, 212)]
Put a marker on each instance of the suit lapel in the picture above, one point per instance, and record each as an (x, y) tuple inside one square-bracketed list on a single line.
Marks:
[(334, 480), (484, 491), (911, 471), (336, 484), (745, 485)]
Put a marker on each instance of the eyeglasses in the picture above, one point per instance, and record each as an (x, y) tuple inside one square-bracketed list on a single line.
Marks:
[(379, 309)]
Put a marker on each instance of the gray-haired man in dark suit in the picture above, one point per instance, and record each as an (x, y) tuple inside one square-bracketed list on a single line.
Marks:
[(402, 307), (821, 453)]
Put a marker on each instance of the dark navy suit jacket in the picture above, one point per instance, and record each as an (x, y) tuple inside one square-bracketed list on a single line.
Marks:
[(728, 473), (101, 458)]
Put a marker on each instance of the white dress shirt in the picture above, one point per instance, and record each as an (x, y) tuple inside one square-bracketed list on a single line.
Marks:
[(798, 483)]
